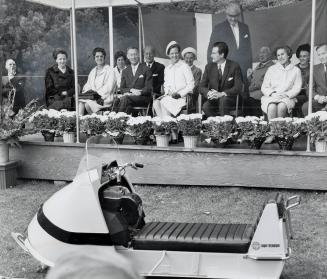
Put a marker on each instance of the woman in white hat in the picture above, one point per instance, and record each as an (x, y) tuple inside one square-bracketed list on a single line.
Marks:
[(189, 55), (178, 83)]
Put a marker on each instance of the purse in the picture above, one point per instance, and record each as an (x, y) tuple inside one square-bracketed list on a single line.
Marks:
[(90, 95)]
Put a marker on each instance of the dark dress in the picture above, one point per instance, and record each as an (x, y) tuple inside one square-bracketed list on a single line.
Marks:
[(17, 83), (55, 83), (303, 95)]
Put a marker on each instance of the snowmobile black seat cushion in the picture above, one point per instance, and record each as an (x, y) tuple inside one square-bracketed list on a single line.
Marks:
[(197, 237)]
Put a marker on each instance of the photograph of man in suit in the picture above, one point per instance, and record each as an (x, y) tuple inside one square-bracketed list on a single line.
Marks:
[(236, 35), (319, 101), (157, 69), (136, 84), (221, 82)]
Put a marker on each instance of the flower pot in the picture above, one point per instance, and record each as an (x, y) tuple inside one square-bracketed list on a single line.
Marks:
[(285, 143), (321, 146), (141, 140), (190, 141), (162, 140), (69, 137), (119, 138), (47, 135), (256, 143), (4, 152)]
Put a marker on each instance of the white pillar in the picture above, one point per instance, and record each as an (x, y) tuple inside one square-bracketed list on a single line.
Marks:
[(111, 36), (75, 69), (312, 43), (71, 40)]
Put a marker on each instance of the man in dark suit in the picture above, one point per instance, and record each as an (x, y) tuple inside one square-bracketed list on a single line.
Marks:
[(236, 35), (221, 82), (157, 69), (136, 83), (319, 101)]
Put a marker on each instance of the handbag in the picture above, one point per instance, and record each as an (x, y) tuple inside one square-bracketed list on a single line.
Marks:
[(90, 95)]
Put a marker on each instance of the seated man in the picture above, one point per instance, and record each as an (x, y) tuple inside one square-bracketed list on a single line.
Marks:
[(136, 84), (319, 101), (255, 78), (221, 82)]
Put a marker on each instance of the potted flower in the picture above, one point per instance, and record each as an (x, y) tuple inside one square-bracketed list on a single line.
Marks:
[(46, 121), (317, 129), (286, 130), (139, 128), (190, 126), (116, 124), (162, 128), (253, 130), (14, 126), (219, 129), (93, 124), (67, 125)]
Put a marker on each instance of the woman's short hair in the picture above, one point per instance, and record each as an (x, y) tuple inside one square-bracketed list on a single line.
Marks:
[(222, 48), (118, 54), (304, 47), (99, 49), (288, 50), (58, 51)]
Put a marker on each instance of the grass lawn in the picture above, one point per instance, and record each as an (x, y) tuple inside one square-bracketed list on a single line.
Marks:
[(187, 204)]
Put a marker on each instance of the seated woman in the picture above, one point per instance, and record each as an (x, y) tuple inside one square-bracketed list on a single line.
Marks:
[(189, 55), (178, 83), (120, 65), (101, 81), (59, 83), (281, 84), (303, 54), (12, 89)]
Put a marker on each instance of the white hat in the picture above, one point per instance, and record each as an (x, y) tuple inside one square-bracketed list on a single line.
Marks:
[(172, 43), (187, 50)]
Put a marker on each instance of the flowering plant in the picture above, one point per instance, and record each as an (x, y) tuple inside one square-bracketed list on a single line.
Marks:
[(45, 120), (163, 126), (93, 124), (67, 121), (218, 129), (13, 126), (140, 128), (287, 127), (252, 127), (116, 123), (190, 124), (317, 126)]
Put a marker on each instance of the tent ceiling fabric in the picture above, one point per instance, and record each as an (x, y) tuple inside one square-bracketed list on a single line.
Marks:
[(80, 4)]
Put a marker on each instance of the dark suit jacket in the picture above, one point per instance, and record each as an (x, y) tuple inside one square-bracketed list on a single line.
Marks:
[(231, 81), (158, 76), (57, 82), (18, 83), (223, 32), (142, 79), (319, 80)]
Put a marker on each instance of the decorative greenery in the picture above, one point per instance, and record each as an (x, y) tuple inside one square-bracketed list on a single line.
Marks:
[(14, 126), (140, 128), (93, 124), (45, 120), (116, 123), (251, 128), (317, 126), (219, 129), (287, 127), (190, 124), (163, 126), (67, 121)]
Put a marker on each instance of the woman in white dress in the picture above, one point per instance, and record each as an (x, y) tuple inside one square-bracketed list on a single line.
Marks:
[(102, 81), (178, 83), (281, 84)]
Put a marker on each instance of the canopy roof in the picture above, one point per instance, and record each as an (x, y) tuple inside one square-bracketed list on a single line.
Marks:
[(80, 4)]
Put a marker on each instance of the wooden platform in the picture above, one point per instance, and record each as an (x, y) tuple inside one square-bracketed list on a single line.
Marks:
[(178, 166)]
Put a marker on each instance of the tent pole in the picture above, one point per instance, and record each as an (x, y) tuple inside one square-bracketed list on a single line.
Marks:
[(312, 43), (111, 36), (140, 32), (71, 40), (75, 69)]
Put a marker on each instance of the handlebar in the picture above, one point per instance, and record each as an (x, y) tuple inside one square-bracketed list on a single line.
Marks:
[(118, 172)]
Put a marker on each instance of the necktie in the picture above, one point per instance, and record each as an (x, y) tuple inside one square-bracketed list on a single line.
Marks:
[(220, 77), (149, 65)]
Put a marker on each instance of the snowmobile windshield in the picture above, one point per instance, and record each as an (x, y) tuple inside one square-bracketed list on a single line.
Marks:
[(99, 151)]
